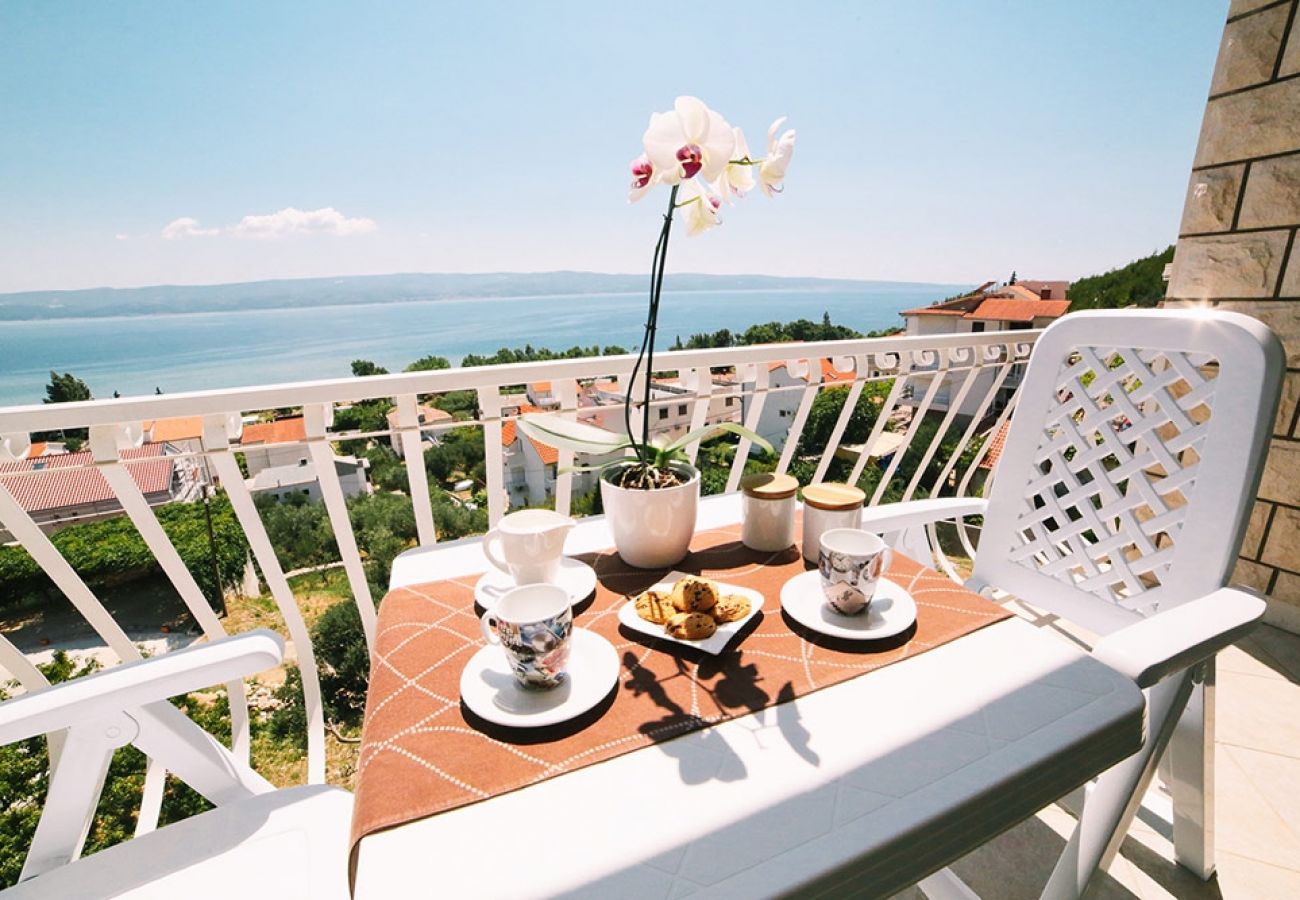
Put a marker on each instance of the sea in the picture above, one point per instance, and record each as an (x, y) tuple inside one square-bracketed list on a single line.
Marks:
[(177, 352)]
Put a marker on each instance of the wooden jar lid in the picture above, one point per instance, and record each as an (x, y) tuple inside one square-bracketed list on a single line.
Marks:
[(769, 486), (831, 495)]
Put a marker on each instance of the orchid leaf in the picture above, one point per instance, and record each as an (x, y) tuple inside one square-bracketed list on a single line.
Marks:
[(707, 431), (566, 434)]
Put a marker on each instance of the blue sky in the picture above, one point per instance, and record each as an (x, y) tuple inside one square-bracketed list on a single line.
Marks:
[(937, 141)]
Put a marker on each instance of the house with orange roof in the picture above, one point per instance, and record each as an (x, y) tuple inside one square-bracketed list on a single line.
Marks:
[(279, 464), (433, 422), (62, 489), (531, 467), (1024, 304)]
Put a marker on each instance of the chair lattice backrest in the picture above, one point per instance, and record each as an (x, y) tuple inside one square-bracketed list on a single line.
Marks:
[(1132, 462)]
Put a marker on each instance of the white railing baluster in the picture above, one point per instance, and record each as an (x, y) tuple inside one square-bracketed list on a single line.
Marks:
[(25, 672), (216, 442), (762, 379), (842, 421), (699, 382), (489, 404), (18, 523), (996, 385), (954, 404), (918, 416), (417, 477), (814, 377), (317, 417), (567, 391), (104, 443), (151, 798), (902, 374)]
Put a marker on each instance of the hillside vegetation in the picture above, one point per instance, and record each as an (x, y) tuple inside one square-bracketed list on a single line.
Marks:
[(1137, 284)]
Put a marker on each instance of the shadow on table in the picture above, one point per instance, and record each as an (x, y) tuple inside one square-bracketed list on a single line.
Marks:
[(841, 645), (545, 735)]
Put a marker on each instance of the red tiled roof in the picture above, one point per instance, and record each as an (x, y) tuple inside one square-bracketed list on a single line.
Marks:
[(182, 429), (1019, 310), (36, 449), (549, 455), (831, 376), (70, 479), (281, 431), (996, 443), (508, 434), (542, 387), (428, 415)]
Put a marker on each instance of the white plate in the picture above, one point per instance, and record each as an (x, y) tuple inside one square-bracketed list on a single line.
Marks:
[(578, 578), (489, 688), (892, 610), (720, 638)]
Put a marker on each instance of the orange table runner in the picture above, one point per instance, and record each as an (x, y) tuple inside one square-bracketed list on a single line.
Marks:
[(423, 752)]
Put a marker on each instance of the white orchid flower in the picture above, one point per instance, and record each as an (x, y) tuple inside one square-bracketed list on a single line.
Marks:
[(691, 140), (771, 174), (643, 178), (700, 206), (737, 179)]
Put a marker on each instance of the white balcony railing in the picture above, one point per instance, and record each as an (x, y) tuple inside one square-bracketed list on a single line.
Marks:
[(969, 370)]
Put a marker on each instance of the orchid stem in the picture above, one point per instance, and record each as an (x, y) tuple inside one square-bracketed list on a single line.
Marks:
[(642, 449)]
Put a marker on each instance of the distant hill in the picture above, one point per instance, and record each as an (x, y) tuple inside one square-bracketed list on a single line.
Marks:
[(360, 289), (1140, 283)]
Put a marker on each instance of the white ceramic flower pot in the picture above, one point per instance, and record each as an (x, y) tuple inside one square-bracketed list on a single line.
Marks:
[(653, 529)]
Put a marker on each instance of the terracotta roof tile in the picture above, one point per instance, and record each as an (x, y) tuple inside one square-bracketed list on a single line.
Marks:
[(70, 479), (281, 431), (549, 455), (1019, 310), (996, 443), (186, 428), (508, 433)]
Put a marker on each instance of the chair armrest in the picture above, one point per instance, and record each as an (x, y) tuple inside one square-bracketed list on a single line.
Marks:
[(898, 516), (137, 683), (1181, 637)]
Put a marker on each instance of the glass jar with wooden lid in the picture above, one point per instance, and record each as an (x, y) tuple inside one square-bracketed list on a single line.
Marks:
[(768, 511), (827, 505)]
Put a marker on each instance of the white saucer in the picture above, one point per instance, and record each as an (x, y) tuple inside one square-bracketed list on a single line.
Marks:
[(578, 578), (489, 688), (715, 643), (892, 610)]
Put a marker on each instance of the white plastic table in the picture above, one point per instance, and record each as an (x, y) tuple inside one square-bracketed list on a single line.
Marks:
[(863, 788)]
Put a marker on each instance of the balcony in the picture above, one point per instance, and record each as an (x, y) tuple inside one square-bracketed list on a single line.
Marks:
[(932, 401)]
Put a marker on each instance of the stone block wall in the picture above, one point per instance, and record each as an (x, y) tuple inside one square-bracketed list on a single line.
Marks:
[(1236, 250)]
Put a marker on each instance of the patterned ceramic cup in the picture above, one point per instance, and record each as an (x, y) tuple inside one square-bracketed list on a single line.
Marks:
[(533, 624), (851, 563)]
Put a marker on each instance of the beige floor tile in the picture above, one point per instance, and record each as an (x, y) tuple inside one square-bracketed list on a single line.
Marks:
[(1248, 878), (1259, 713), (1277, 780), (1239, 661), (1246, 823), (1277, 648)]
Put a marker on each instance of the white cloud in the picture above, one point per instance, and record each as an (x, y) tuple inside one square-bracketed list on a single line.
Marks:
[(122, 237), (296, 221), (186, 227)]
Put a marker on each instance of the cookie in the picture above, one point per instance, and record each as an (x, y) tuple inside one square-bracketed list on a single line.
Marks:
[(655, 606), (691, 626), (692, 594), (730, 608)]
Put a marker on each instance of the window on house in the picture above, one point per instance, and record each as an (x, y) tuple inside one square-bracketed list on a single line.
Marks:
[(663, 412), (729, 399), (976, 326), (681, 409), (306, 491)]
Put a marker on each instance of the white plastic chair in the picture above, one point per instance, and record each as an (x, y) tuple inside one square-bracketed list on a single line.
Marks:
[(1119, 504), (258, 842)]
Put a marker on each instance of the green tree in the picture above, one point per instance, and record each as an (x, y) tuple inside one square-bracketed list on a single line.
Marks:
[(364, 368), (65, 388), (429, 364), (1140, 283)]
